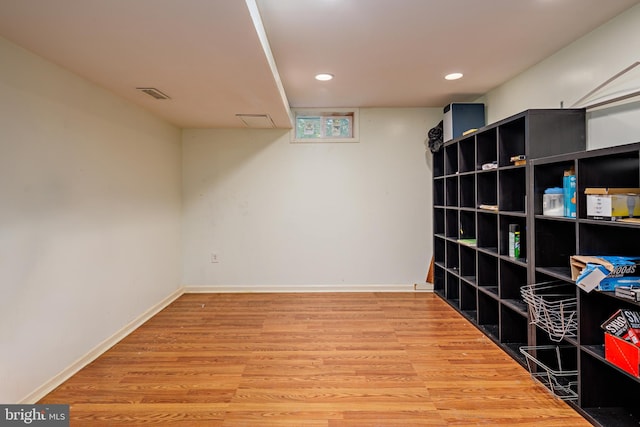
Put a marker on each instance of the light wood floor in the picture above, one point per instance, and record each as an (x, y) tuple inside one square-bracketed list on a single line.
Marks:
[(309, 359)]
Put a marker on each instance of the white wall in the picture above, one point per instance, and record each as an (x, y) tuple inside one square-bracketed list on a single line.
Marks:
[(572, 73), (309, 216), (90, 211)]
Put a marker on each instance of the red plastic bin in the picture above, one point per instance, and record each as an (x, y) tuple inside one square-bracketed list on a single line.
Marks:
[(623, 354)]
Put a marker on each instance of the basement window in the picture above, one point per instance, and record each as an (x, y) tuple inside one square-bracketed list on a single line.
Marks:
[(325, 125)]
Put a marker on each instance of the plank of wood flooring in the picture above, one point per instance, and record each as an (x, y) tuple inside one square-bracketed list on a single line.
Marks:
[(174, 415)]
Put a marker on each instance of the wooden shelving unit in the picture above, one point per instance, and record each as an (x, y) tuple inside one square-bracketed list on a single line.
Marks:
[(607, 395), (485, 284)]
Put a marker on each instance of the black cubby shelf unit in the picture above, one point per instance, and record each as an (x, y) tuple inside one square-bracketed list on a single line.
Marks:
[(479, 191), (607, 395)]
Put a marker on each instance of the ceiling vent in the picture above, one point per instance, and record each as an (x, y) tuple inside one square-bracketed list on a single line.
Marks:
[(151, 91), (257, 121)]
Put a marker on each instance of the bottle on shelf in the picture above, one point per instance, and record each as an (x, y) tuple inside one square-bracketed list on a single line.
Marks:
[(514, 241)]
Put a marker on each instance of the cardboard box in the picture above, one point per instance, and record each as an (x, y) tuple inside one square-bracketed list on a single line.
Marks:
[(612, 203), (624, 324), (623, 354), (604, 273)]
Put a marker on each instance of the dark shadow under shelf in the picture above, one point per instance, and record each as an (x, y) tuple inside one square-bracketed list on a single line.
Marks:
[(513, 213), (554, 218), (488, 250), (492, 331), (562, 273), (469, 279), (614, 416), (516, 305), (513, 350), (571, 340), (492, 291), (471, 315), (596, 351), (519, 261), (614, 296)]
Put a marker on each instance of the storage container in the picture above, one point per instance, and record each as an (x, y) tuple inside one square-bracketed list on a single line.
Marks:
[(553, 202)]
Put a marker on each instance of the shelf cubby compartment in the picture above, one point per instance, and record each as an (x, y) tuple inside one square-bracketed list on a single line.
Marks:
[(608, 238), (467, 153), (438, 163), (487, 236), (438, 279), (555, 244), (555, 367), (512, 278), (451, 191), (438, 192), (546, 176), (595, 308), (468, 264), (489, 315), (552, 307), (451, 158), (451, 227), (503, 244), (492, 289), (488, 273), (511, 140), (468, 191), (487, 147), (438, 221), (453, 289), (513, 331), (487, 188), (439, 253), (452, 256), (621, 170), (512, 191), (468, 301), (467, 225), (608, 395)]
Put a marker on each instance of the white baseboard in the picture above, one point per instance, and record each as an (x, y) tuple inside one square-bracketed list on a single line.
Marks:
[(94, 353), (190, 289), (424, 287)]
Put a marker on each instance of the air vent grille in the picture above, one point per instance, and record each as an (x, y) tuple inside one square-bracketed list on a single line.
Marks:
[(151, 91), (257, 121)]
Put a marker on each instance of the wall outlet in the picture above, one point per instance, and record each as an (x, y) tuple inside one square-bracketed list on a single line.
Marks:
[(214, 258)]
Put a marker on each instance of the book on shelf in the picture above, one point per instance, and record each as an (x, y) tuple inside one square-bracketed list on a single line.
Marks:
[(468, 242)]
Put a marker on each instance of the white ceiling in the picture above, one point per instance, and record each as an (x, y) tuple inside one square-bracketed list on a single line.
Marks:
[(209, 56)]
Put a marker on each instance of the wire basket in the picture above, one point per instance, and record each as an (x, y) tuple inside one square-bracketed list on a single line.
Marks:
[(561, 383), (551, 310)]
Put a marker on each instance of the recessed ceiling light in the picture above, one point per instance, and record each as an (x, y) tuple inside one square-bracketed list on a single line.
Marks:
[(453, 76), (323, 77)]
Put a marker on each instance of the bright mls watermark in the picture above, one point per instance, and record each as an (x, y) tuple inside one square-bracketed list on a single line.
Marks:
[(34, 415)]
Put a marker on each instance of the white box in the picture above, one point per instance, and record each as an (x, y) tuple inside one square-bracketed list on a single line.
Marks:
[(612, 203)]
